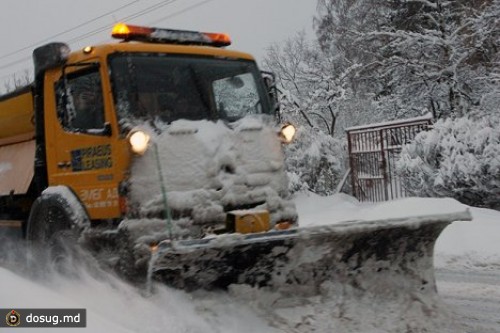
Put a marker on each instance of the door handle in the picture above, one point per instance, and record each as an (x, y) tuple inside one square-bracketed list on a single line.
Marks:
[(64, 164)]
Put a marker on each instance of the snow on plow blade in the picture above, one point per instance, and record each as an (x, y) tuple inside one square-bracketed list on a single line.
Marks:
[(382, 256)]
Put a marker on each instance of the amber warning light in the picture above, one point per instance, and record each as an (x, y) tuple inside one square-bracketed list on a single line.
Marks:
[(156, 35)]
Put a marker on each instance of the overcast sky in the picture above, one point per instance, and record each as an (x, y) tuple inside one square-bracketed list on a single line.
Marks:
[(252, 24)]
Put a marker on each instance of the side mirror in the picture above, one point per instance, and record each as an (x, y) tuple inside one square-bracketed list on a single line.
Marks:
[(270, 82), (49, 56)]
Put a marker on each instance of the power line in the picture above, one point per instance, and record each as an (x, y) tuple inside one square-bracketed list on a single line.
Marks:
[(130, 17), (15, 62), (25, 59), (182, 11), (66, 31), (88, 34), (11, 75), (189, 8), (142, 12), (176, 13)]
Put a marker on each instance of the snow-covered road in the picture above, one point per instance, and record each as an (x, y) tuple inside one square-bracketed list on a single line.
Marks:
[(474, 296), (467, 254), (468, 274)]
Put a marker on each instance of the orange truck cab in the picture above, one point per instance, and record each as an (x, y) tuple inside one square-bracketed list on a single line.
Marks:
[(70, 142)]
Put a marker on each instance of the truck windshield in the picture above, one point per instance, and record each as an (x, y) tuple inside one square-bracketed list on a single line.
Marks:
[(158, 87)]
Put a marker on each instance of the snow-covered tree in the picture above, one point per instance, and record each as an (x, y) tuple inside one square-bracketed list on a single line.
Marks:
[(457, 158), (315, 161), (17, 81), (390, 59), (289, 62), (415, 55)]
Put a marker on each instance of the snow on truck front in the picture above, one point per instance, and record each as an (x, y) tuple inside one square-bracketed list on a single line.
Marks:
[(208, 153)]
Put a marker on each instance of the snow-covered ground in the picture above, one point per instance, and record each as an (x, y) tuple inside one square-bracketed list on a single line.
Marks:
[(468, 272)]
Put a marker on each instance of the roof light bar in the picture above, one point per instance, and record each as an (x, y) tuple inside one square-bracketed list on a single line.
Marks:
[(156, 35), (125, 31)]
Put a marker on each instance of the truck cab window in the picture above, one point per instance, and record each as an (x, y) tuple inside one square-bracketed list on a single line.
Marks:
[(152, 87), (80, 104), (237, 96)]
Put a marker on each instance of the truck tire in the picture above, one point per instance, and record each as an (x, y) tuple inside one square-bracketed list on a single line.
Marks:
[(54, 226)]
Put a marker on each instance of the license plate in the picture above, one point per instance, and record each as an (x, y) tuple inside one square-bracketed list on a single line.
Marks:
[(248, 221)]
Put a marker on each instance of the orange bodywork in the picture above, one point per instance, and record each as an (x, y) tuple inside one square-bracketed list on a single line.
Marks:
[(17, 147), (98, 188), (16, 118), (105, 158)]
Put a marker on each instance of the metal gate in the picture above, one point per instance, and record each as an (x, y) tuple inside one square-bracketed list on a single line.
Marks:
[(373, 152)]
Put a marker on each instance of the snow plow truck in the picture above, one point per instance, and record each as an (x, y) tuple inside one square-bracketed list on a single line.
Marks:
[(165, 150)]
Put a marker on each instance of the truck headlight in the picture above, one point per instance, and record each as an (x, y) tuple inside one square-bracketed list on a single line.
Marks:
[(287, 133), (139, 141)]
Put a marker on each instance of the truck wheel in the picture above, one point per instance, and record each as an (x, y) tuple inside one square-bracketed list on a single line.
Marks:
[(54, 226)]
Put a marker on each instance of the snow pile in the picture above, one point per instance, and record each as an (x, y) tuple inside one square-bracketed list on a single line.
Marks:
[(336, 311), (458, 158), (113, 306), (473, 245), (339, 208), (209, 168)]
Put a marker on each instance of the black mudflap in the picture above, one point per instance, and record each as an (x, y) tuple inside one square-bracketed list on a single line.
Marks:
[(377, 256)]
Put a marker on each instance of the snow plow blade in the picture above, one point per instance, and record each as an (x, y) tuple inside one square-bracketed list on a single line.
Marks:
[(361, 255)]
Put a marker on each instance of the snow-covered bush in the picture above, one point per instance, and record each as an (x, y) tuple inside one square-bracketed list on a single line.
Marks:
[(458, 158), (315, 161)]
